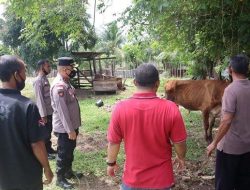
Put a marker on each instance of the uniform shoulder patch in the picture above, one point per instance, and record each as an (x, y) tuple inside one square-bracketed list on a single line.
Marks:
[(60, 89)]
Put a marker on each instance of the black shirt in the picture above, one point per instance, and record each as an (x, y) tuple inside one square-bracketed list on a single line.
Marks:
[(19, 128)]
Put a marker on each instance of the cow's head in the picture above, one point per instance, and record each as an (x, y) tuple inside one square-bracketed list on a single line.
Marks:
[(170, 90)]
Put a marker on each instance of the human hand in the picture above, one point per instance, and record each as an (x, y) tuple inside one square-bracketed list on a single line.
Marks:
[(180, 164), (49, 176), (72, 135), (44, 119), (210, 149), (111, 170)]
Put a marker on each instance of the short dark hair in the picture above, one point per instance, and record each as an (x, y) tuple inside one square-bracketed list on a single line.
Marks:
[(146, 75), (240, 64), (42, 61), (9, 64)]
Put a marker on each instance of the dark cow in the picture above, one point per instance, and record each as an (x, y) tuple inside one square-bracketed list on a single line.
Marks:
[(203, 95)]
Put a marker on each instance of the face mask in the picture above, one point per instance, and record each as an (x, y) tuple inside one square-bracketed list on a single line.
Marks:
[(72, 74), (20, 85), (45, 72)]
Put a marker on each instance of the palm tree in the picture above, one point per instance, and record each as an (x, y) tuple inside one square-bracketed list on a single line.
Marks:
[(111, 39)]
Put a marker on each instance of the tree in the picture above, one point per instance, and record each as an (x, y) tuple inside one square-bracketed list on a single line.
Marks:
[(206, 30), (49, 28), (111, 39), (67, 19), (31, 52)]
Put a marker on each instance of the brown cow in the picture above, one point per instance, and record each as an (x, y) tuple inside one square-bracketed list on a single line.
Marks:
[(203, 95)]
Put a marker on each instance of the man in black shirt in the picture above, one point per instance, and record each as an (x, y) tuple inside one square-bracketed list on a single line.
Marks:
[(23, 155)]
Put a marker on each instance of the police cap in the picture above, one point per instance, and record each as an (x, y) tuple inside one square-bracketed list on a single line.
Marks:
[(65, 61)]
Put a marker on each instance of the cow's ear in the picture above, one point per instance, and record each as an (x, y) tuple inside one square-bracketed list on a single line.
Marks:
[(167, 86), (170, 85), (173, 84)]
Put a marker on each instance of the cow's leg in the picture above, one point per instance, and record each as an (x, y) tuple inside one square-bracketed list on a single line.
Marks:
[(214, 113), (205, 115), (211, 125)]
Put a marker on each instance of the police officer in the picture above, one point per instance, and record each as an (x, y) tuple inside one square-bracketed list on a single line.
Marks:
[(66, 120), (42, 93)]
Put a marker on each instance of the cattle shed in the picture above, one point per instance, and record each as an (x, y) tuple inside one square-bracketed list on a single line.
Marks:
[(90, 72)]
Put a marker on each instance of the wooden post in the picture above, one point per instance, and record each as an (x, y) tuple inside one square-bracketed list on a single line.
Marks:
[(100, 66), (112, 68), (91, 73), (94, 65), (78, 78)]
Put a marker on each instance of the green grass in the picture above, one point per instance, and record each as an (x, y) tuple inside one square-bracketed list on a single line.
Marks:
[(96, 119), (195, 143), (93, 118)]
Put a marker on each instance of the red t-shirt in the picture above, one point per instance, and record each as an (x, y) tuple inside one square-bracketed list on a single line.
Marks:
[(147, 124)]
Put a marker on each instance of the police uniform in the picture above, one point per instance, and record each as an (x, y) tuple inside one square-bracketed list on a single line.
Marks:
[(19, 128), (42, 92), (66, 118)]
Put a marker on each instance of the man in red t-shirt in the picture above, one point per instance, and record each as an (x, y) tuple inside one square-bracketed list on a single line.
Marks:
[(148, 126)]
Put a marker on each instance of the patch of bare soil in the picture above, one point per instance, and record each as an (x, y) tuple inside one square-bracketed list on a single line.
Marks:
[(92, 182), (91, 143), (199, 175)]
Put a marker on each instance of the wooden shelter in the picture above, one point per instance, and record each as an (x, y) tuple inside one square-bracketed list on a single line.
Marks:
[(93, 76)]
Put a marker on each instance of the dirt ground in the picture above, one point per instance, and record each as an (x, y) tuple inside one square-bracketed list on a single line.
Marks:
[(197, 176)]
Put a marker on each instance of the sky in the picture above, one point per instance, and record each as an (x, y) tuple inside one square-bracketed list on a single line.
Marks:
[(112, 12), (1, 10)]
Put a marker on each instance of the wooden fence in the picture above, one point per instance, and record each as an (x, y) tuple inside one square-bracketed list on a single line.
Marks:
[(125, 73), (173, 72)]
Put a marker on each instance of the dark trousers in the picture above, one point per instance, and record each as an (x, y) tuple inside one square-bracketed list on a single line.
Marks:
[(65, 153), (232, 171), (48, 128), (33, 187)]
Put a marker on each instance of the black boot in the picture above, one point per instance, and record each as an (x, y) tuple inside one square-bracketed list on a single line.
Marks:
[(51, 151), (51, 156), (72, 174), (63, 183)]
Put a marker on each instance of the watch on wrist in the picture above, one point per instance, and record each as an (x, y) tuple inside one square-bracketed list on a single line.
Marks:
[(111, 163)]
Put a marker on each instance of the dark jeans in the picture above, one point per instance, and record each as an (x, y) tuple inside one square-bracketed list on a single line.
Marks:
[(232, 171), (48, 128), (125, 187), (65, 153)]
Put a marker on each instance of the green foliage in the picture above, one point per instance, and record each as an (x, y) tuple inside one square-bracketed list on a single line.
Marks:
[(134, 54), (47, 29), (110, 41), (11, 31), (67, 19), (145, 50), (30, 52), (204, 32), (4, 50)]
